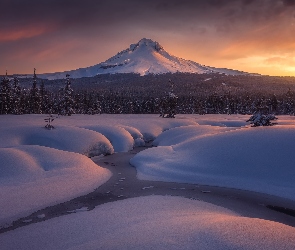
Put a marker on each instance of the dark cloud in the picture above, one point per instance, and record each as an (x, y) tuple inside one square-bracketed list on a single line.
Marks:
[(86, 10), (30, 27), (74, 14), (289, 2)]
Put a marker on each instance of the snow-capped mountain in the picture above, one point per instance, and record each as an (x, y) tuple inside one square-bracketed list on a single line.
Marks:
[(144, 57)]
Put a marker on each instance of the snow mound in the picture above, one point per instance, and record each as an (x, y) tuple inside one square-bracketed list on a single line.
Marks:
[(223, 120), (40, 167), (146, 127), (120, 138), (256, 159), (134, 132), (153, 222), (136, 135), (65, 138), (33, 177), (91, 135), (152, 126), (180, 134)]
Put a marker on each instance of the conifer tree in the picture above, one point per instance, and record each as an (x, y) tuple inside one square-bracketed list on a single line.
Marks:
[(262, 117), (34, 97), (5, 95), (66, 106), (46, 100), (169, 103), (16, 97)]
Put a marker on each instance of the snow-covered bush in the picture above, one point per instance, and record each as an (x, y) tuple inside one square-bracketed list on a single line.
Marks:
[(262, 120)]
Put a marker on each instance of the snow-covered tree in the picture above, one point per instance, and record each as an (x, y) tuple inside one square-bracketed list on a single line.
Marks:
[(34, 97), (92, 105), (262, 120), (47, 100), (5, 95), (169, 103), (66, 106), (262, 117), (16, 104)]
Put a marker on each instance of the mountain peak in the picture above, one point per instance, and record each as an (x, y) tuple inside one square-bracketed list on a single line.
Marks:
[(148, 43), (144, 57)]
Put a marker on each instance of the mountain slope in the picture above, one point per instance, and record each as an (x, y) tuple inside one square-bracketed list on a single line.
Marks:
[(144, 57)]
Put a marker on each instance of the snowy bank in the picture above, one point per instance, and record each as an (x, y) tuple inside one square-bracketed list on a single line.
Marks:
[(70, 139), (33, 177), (153, 222), (147, 127), (180, 134), (120, 138), (40, 167), (256, 159)]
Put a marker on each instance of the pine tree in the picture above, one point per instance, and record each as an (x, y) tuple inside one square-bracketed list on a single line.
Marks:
[(34, 97), (262, 117), (46, 100), (16, 97), (169, 103), (66, 106), (289, 103), (5, 95)]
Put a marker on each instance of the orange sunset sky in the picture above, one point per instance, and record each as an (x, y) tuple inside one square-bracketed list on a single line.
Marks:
[(256, 36)]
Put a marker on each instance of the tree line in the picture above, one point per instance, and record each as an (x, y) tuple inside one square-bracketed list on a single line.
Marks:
[(37, 99)]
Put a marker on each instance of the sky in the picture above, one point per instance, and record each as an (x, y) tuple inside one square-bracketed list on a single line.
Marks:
[(256, 36)]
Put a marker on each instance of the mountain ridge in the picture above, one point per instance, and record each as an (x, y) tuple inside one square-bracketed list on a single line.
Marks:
[(145, 57)]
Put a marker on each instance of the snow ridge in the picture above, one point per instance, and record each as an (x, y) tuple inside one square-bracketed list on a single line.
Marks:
[(145, 57)]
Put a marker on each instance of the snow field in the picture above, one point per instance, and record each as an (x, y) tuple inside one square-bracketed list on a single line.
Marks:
[(152, 222), (40, 167)]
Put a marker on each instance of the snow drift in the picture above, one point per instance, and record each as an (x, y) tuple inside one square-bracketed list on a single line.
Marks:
[(180, 134), (72, 139), (40, 167), (256, 159), (153, 222), (33, 177), (120, 138)]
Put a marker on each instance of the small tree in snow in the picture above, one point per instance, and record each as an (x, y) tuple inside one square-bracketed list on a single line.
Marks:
[(49, 121), (262, 118)]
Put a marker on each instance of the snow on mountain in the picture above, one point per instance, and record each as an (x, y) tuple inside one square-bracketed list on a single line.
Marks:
[(144, 57)]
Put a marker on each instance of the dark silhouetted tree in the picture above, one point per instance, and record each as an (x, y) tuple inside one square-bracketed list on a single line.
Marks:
[(17, 98), (169, 103), (5, 95), (66, 106), (34, 97)]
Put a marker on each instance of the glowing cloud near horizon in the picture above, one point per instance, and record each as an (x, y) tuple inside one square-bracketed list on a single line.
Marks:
[(254, 36)]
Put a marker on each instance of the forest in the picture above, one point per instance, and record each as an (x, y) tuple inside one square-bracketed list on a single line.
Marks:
[(170, 94)]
